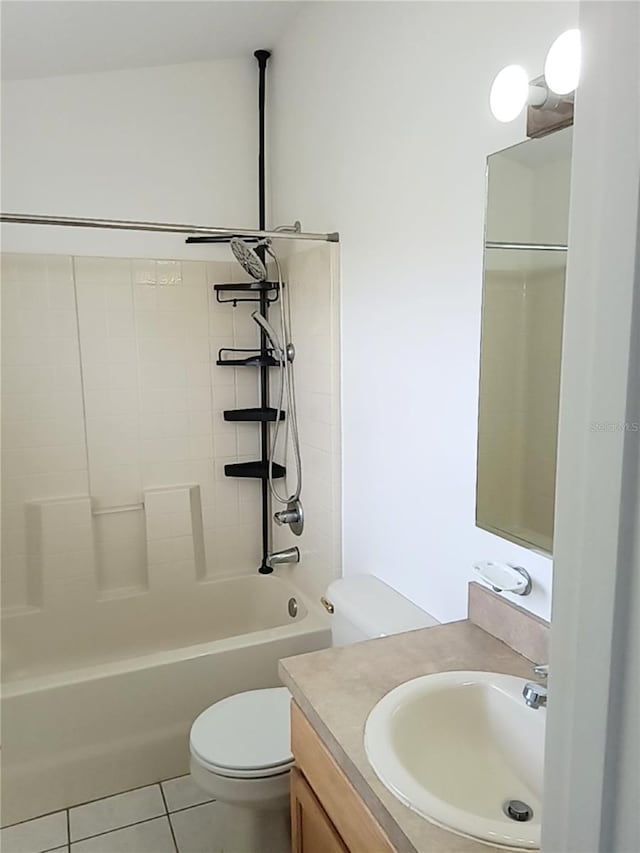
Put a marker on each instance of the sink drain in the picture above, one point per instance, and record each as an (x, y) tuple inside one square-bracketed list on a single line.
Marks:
[(517, 810)]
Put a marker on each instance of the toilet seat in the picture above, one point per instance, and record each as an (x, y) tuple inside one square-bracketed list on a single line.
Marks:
[(236, 773), (245, 736)]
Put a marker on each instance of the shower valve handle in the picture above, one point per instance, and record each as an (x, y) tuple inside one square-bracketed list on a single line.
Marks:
[(287, 516), (293, 515)]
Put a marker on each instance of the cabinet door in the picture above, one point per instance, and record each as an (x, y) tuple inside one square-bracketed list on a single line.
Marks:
[(311, 829)]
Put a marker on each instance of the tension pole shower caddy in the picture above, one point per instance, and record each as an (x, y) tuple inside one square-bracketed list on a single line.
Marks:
[(264, 293)]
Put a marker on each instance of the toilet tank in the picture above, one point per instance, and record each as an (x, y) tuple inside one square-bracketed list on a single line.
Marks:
[(365, 607)]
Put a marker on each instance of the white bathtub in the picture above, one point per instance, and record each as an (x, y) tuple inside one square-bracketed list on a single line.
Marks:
[(109, 705)]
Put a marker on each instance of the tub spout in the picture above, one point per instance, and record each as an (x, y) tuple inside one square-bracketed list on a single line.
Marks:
[(289, 555)]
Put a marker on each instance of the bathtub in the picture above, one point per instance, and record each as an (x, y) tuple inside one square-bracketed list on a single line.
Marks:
[(107, 705)]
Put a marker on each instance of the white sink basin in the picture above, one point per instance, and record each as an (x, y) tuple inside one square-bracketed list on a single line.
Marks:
[(456, 747)]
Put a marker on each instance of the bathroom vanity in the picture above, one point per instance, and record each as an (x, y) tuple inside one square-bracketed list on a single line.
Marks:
[(327, 813), (338, 802)]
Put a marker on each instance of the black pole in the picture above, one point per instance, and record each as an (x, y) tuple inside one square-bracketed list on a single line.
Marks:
[(263, 57)]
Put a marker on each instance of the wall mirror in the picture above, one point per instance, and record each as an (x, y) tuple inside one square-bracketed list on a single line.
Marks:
[(522, 311)]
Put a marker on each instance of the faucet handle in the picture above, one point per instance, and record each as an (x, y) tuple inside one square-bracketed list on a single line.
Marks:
[(542, 670)]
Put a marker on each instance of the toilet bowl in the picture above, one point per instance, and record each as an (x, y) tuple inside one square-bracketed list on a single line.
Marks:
[(241, 755), (240, 746)]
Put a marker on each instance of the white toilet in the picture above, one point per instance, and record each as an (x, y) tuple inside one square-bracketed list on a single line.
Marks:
[(240, 746)]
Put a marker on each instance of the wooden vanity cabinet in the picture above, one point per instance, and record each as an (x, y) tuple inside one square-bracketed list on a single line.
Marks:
[(311, 828), (327, 813)]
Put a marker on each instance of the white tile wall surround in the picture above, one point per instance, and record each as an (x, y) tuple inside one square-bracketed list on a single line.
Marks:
[(314, 282), (43, 447), (174, 534), (114, 444), (108, 346), (121, 551), (59, 547), (110, 391)]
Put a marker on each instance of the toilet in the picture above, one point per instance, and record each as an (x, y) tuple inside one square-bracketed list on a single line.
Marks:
[(240, 746)]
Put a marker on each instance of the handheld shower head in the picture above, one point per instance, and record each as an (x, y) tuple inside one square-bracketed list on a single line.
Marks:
[(270, 332), (248, 259)]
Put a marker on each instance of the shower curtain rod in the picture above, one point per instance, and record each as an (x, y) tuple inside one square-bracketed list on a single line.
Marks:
[(165, 227), (530, 247)]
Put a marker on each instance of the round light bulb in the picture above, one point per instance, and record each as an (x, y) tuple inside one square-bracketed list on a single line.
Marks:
[(562, 65), (509, 93)]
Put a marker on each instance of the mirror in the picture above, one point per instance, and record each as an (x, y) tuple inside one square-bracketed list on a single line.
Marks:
[(522, 311)]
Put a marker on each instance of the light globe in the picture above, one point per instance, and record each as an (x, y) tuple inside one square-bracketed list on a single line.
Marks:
[(509, 92), (562, 65)]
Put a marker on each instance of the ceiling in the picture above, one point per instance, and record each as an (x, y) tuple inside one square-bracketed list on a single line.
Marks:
[(41, 38)]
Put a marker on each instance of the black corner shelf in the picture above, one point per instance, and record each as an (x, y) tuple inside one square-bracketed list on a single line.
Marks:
[(253, 291), (255, 470), (243, 287), (256, 359), (264, 415)]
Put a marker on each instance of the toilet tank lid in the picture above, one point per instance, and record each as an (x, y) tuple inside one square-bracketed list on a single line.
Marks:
[(376, 608)]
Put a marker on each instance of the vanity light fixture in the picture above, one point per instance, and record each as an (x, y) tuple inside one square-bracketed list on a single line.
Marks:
[(562, 65), (511, 91), (548, 98)]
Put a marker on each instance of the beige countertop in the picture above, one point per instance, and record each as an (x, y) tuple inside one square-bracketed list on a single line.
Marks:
[(337, 688)]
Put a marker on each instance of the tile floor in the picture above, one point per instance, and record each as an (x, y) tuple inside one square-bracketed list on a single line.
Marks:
[(171, 817)]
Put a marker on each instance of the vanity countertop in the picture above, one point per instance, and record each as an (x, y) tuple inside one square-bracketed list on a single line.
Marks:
[(337, 688)]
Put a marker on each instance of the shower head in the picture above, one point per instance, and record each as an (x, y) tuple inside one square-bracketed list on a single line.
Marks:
[(270, 332), (248, 259)]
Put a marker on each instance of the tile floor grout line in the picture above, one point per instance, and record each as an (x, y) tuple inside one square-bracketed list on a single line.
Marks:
[(30, 819), (166, 814), (88, 802), (193, 806), (164, 799), (166, 808), (117, 794), (66, 844), (67, 811), (118, 828)]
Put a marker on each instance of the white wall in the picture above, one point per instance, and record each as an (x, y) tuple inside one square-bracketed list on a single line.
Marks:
[(380, 129), (176, 143), (592, 786)]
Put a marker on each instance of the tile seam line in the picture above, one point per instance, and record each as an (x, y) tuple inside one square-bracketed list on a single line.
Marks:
[(88, 802), (118, 828), (194, 806), (83, 394), (166, 808)]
